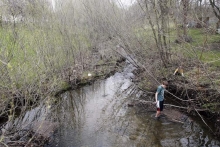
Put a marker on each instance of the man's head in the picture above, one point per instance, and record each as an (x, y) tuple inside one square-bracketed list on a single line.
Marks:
[(165, 84)]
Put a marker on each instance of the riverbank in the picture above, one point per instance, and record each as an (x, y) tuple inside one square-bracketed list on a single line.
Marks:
[(102, 71), (41, 132), (38, 133), (185, 94)]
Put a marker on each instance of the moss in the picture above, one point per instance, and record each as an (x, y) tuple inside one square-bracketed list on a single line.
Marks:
[(64, 85)]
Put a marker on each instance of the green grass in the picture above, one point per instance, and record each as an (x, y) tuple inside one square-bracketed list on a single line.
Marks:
[(199, 36), (197, 49), (200, 48), (30, 52), (212, 58), (209, 55)]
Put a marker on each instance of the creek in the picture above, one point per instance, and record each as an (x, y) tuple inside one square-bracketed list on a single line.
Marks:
[(98, 115)]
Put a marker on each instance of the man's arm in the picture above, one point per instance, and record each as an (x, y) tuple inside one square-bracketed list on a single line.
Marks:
[(156, 94)]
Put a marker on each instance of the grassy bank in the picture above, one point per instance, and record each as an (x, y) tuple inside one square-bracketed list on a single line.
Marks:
[(41, 60)]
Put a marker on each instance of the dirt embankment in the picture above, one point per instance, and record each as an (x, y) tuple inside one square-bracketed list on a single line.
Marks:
[(202, 100), (184, 95), (38, 133)]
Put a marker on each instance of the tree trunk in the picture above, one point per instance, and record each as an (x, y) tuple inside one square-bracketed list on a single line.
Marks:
[(185, 9)]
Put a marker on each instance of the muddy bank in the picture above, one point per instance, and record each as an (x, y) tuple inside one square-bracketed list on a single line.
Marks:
[(34, 135), (102, 71), (200, 100), (38, 133), (197, 100), (72, 79)]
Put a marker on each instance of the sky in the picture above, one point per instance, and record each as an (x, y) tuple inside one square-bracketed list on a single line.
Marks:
[(122, 3), (126, 2), (53, 3)]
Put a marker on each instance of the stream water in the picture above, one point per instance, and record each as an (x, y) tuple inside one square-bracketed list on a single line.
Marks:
[(98, 115)]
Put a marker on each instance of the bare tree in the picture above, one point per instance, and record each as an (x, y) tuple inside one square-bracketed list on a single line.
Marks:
[(216, 8), (185, 13)]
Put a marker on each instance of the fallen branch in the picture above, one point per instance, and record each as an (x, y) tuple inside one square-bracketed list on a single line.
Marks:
[(181, 107), (4, 144), (137, 64), (176, 106), (185, 107), (189, 100), (143, 101), (203, 120), (177, 121), (145, 90)]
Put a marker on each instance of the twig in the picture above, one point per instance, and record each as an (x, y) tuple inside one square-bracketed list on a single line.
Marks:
[(177, 121), (143, 101), (185, 107), (3, 62), (203, 120), (145, 90), (4, 144), (175, 106), (178, 97)]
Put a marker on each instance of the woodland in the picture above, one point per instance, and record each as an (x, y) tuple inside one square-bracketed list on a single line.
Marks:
[(48, 47)]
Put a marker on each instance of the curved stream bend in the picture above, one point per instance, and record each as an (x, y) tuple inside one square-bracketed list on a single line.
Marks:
[(98, 116)]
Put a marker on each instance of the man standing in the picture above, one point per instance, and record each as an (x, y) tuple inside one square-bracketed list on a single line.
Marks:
[(159, 97)]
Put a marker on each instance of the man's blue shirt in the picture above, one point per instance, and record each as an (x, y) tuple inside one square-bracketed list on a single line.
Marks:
[(160, 91)]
